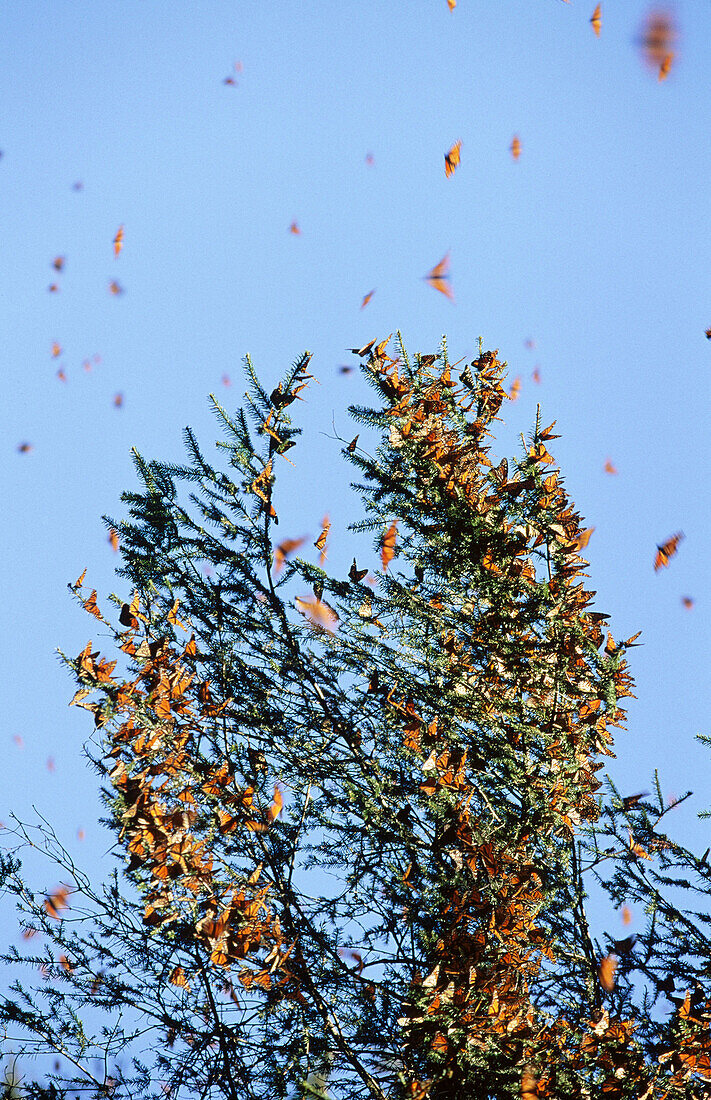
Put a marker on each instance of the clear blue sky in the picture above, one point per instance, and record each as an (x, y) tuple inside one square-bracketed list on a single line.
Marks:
[(595, 245)]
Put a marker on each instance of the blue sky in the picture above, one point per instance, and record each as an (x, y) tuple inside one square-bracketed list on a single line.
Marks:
[(594, 245)]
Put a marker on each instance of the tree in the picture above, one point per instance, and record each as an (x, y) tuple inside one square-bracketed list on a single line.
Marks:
[(356, 830)]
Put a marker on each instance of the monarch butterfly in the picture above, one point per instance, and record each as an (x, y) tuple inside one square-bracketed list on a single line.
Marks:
[(667, 550), (516, 147), (438, 277), (387, 552), (294, 228), (606, 972), (451, 159), (355, 574), (118, 240), (366, 299), (596, 20)]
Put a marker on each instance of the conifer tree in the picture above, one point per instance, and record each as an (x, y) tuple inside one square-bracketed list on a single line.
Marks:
[(355, 831)]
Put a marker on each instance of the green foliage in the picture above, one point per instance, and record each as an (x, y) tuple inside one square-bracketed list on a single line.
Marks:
[(356, 831)]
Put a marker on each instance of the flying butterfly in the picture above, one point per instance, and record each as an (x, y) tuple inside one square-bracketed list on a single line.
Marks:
[(438, 278), (352, 445), (58, 262), (687, 602), (366, 299), (583, 538), (515, 389), (536, 375), (609, 466), (118, 240), (294, 228), (113, 539), (515, 147), (451, 159), (451, 4), (318, 613), (606, 972), (596, 20), (667, 550), (320, 543), (283, 551), (56, 350)]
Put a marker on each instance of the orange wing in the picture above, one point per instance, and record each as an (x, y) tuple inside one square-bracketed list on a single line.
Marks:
[(583, 538), (438, 277), (606, 972), (318, 613), (609, 466), (667, 550), (366, 299), (282, 552), (516, 147), (596, 20), (294, 228), (387, 552), (451, 158), (320, 543), (515, 388), (118, 240), (451, 4)]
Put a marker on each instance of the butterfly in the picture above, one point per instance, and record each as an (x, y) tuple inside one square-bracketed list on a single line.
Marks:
[(606, 972), (516, 147), (230, 79), (294, 228), (665, 67), (451, 159), (352, 445), (58, 263), (609, 467), (631, 800), (56, 350), (366, 299), (536, 375), (387, 552), (115, 288), (24, 448), (56, 901), (583, 538), (687, 602), (667, 550), (708, 333), (62, 374), (355, 574), (320, 543), (451, 4), (515, 389), (113, 539), (318, 613), (656, 40), (118, 240), (596, 20), (118, 400), (364, 350), (438, 277), (282, 552)]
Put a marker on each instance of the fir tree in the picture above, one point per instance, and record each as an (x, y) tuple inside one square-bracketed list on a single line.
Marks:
[(355, 832)]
